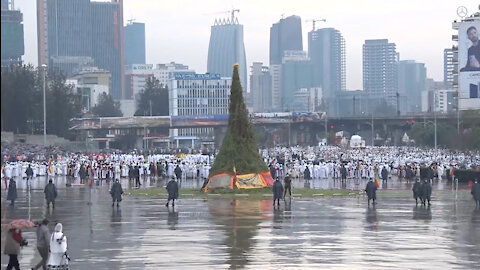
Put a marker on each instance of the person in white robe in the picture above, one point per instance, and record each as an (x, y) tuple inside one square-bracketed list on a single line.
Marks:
[(58, 258)]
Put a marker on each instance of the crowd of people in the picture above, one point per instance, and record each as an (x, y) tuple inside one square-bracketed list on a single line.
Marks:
[(418, 165), (52, 247)]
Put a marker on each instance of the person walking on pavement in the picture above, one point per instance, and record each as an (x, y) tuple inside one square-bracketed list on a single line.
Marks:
[(116, 193), (476, 193), (287, 185), (29, 172), (277, 191), (50, 193), (13, 242), (136, 174), (417, 191), (178, 172), (371, 190), (384, 173), (343, 173), (43, 244), (12, 191), (172, 189), (58, 250), (426, 192)]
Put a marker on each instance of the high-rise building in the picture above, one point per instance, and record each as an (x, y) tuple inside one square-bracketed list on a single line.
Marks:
[(276, 75), (226, 48), (450, 67), (12, 41), (73, 34), (297, 73), (135, 43), (380, 62), (326, 49), (107, 37), (285, 35), (69, 34), (261, 87), (412, 78), (4, 4)]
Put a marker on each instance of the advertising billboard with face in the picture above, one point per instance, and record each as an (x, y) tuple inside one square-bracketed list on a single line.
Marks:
[(469, 60), (469, 47)]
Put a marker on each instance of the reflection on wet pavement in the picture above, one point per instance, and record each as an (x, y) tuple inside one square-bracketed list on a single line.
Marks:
[(326, 233)]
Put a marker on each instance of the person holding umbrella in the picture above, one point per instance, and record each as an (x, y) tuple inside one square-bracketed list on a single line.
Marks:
[(12, 191), (14, 241)]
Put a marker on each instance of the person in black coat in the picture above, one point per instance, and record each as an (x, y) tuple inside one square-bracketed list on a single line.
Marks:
[(476, 193), (29, 172), (423, 172), (83, 174), (306, 174), (426, 192), (288, 186), (116, 191), (12, 191), (273, 173), (343, 173), (178, 172), (172, 189), (371, 190), (136, 174), (417, 191), (50, 193), (277, 191), (409, 174), (384, 174)]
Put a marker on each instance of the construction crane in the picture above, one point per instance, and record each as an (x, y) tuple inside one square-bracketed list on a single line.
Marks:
[(233, 13), (130, 21), (226, 11), (314, 21)]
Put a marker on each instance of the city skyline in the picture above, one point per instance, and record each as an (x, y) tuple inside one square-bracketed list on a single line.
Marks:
[(172, 27)]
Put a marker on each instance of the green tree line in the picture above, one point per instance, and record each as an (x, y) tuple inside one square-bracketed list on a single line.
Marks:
[(447, 136), (22, 101)]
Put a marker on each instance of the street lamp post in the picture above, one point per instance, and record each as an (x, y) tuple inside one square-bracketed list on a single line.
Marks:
[(373, 135), (44, 68), (326, 129), (435, 118)]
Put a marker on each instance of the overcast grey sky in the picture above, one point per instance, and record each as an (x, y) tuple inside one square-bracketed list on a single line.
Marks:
[(179, 30)]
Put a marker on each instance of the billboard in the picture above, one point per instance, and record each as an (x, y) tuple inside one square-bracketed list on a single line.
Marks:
[(199, 120), (469, 61)]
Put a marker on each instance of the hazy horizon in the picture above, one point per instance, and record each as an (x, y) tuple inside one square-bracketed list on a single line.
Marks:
[(180, 30)]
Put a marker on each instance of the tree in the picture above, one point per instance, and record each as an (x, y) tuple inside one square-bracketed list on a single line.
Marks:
[(22, 100), (19, 93), (107, 107), (63, 104), (239, 148), (153, 100)]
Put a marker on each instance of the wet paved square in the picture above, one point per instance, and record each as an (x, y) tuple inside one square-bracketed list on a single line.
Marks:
[(306, 233)]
